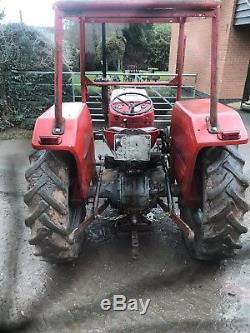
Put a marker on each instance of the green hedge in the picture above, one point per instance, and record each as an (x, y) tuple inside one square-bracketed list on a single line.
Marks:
[(24, 93)]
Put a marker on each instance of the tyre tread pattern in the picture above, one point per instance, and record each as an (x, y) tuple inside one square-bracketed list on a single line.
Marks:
[(224, 205), (48, 202)]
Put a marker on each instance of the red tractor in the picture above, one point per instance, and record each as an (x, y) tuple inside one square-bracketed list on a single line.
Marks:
[(196, 164)]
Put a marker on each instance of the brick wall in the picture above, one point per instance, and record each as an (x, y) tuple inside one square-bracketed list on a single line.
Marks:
[(234, 53)]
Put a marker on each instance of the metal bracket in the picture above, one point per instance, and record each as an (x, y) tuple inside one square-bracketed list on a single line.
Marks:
[(178, 221), (211, 129), (81, 228), (183, 226), (58, 130), (98, 187), (170, 209), (96, 210)]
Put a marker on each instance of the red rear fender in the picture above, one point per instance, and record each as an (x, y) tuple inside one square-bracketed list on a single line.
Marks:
[(189, 132), (78, 140)]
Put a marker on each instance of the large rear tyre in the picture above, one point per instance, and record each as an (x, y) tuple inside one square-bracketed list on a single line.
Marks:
[(218, 222), (52, 215)]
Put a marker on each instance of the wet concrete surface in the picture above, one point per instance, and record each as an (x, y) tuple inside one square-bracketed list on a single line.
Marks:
[(186, 296)]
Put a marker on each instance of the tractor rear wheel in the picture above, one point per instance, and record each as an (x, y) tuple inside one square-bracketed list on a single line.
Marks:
[(217, 224), (52, 215)]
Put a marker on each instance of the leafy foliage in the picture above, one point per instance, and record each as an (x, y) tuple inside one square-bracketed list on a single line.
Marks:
[(159, 46), (142, 45), (147, 45), (24, 94), (137, 37), (115, 51), (24, 50), (71, 45)]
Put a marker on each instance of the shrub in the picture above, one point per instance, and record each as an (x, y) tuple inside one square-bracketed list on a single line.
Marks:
[(24, 93)]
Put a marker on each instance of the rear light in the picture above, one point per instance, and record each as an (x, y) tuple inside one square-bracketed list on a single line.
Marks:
[(233, 135), (50, 140)]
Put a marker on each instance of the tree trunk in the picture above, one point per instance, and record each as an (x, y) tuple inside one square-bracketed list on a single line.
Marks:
[(120, 64)]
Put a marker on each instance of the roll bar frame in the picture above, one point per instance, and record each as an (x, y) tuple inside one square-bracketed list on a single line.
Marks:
[(135, 11)]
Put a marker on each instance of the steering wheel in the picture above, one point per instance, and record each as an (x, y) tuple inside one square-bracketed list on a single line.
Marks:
[(148, 104)]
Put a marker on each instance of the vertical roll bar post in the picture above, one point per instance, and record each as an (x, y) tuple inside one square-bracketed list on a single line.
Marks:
[(58, 79), (83, 59), (105, 97), (180, 58), (213, 126)]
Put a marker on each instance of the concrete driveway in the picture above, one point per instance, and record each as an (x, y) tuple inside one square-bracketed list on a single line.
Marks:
[(186, 296)]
